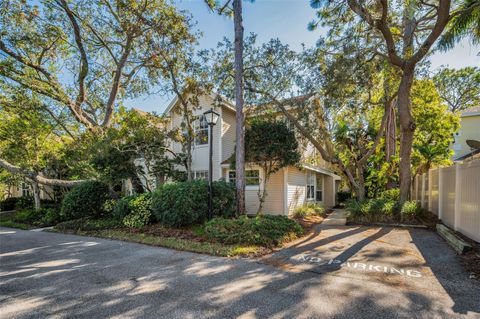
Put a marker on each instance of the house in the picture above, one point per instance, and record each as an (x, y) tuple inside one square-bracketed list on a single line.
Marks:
[(287, 189), (469, 131), (24, 189)]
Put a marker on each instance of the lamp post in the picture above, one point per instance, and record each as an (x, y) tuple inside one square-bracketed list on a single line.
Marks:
[(211, 117)]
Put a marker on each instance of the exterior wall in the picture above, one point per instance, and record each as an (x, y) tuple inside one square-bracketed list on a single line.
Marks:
[(329, 191), (16, 191), (228, 134), (200, 152), (468, 203), (469, 130), (433, 205), (296, 188), (274, 203)]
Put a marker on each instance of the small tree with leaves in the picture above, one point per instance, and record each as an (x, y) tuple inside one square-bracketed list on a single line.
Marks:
[(272, 146)]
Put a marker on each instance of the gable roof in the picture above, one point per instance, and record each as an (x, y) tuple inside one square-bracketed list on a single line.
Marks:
[(472, 111), (224, 102)]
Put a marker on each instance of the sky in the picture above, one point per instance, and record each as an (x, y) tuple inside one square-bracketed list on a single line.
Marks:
[(283, 19)]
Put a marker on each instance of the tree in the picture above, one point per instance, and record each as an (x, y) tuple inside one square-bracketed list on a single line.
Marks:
[(88, 56), (135, 147), (460, 89), (29, 138), (405, 33), (308, 88), (272, 146), (435, 128), (236, 10), (465, 23)]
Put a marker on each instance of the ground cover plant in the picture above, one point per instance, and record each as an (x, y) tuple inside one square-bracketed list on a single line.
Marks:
[(308, 210), (384, 210), (29, 218)]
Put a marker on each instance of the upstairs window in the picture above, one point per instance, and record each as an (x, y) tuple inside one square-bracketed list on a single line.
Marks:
[(200, 174), (252, 177), (201, 131)]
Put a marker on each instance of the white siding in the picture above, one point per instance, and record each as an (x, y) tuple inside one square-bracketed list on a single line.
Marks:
[(296, 188), (228, 134)]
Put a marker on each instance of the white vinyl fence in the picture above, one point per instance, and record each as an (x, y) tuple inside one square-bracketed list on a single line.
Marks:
[(453, 194)]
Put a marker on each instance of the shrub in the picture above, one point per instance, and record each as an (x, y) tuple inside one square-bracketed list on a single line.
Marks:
[(390, 194), (109, 206), (264, 230), (24, 202), (310, 209), (85, 199), (343, 196), (52, 216), (8, 203), (29, 216), (186, 203), (410, 209), (140, 211), (122, 208)]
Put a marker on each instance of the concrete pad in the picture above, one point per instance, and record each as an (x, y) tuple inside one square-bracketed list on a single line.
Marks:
[(49, 275), (337, 218)]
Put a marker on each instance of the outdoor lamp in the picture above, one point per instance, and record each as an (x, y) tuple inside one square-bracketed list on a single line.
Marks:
[(211, 117)]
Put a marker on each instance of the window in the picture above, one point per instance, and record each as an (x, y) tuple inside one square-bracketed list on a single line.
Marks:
[(201, 131), (25, 190), (200, 174), (310, 186), (319, 191), (252, 177)]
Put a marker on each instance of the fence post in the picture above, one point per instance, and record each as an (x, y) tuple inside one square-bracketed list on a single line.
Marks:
[(430, 182), (457, 210), (422, 192), (440, 193)]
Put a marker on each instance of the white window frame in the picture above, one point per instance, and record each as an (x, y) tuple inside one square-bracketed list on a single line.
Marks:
[(201, 174), (25, 190), (247, 186), (309, 184), (197, 128), (322, 190)]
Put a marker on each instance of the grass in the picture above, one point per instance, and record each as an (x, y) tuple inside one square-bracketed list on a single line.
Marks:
[(215, 249), (8, 220)]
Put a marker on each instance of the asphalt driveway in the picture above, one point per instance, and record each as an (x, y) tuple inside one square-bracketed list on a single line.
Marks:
[(341, 272)]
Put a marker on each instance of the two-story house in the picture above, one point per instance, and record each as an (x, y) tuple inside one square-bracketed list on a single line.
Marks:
[(287, 189), (469, 131)]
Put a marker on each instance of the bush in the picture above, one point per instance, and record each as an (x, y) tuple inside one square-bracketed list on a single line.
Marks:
[(109, 206), (390, 194), (140, 208), (410, 209), (122, 208), (52, 216), (343, 196), (29, 216), (40, 218), (84, 200), (186, 203), (310, 209), (8, 203), (24, 202), (264, 230), (88, 224)]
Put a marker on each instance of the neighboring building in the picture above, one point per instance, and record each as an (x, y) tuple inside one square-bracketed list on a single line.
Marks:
[(287, 189), (24, 189), (469, 130)]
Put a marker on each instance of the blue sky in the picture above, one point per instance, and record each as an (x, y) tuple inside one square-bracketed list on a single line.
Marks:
[(286, 20)]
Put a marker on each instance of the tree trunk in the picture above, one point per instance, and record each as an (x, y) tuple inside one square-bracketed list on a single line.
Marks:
[(407, 128), (390, 143), (36, 195), (240, 122), (361, 193)]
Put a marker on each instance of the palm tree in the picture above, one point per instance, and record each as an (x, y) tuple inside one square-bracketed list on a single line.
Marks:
[(465, 22)]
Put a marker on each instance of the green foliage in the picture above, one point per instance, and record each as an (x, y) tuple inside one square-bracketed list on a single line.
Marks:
[(52, 216), (186, 203), (88, 224), (85, 199), (466, 23), (390, 194), (411, 208), (24, 202), (459, 88), (122, 208), (109, 206), (8, 203), (264, 230), (271, 145), (310, 209), (140, 208), (343, 196)]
